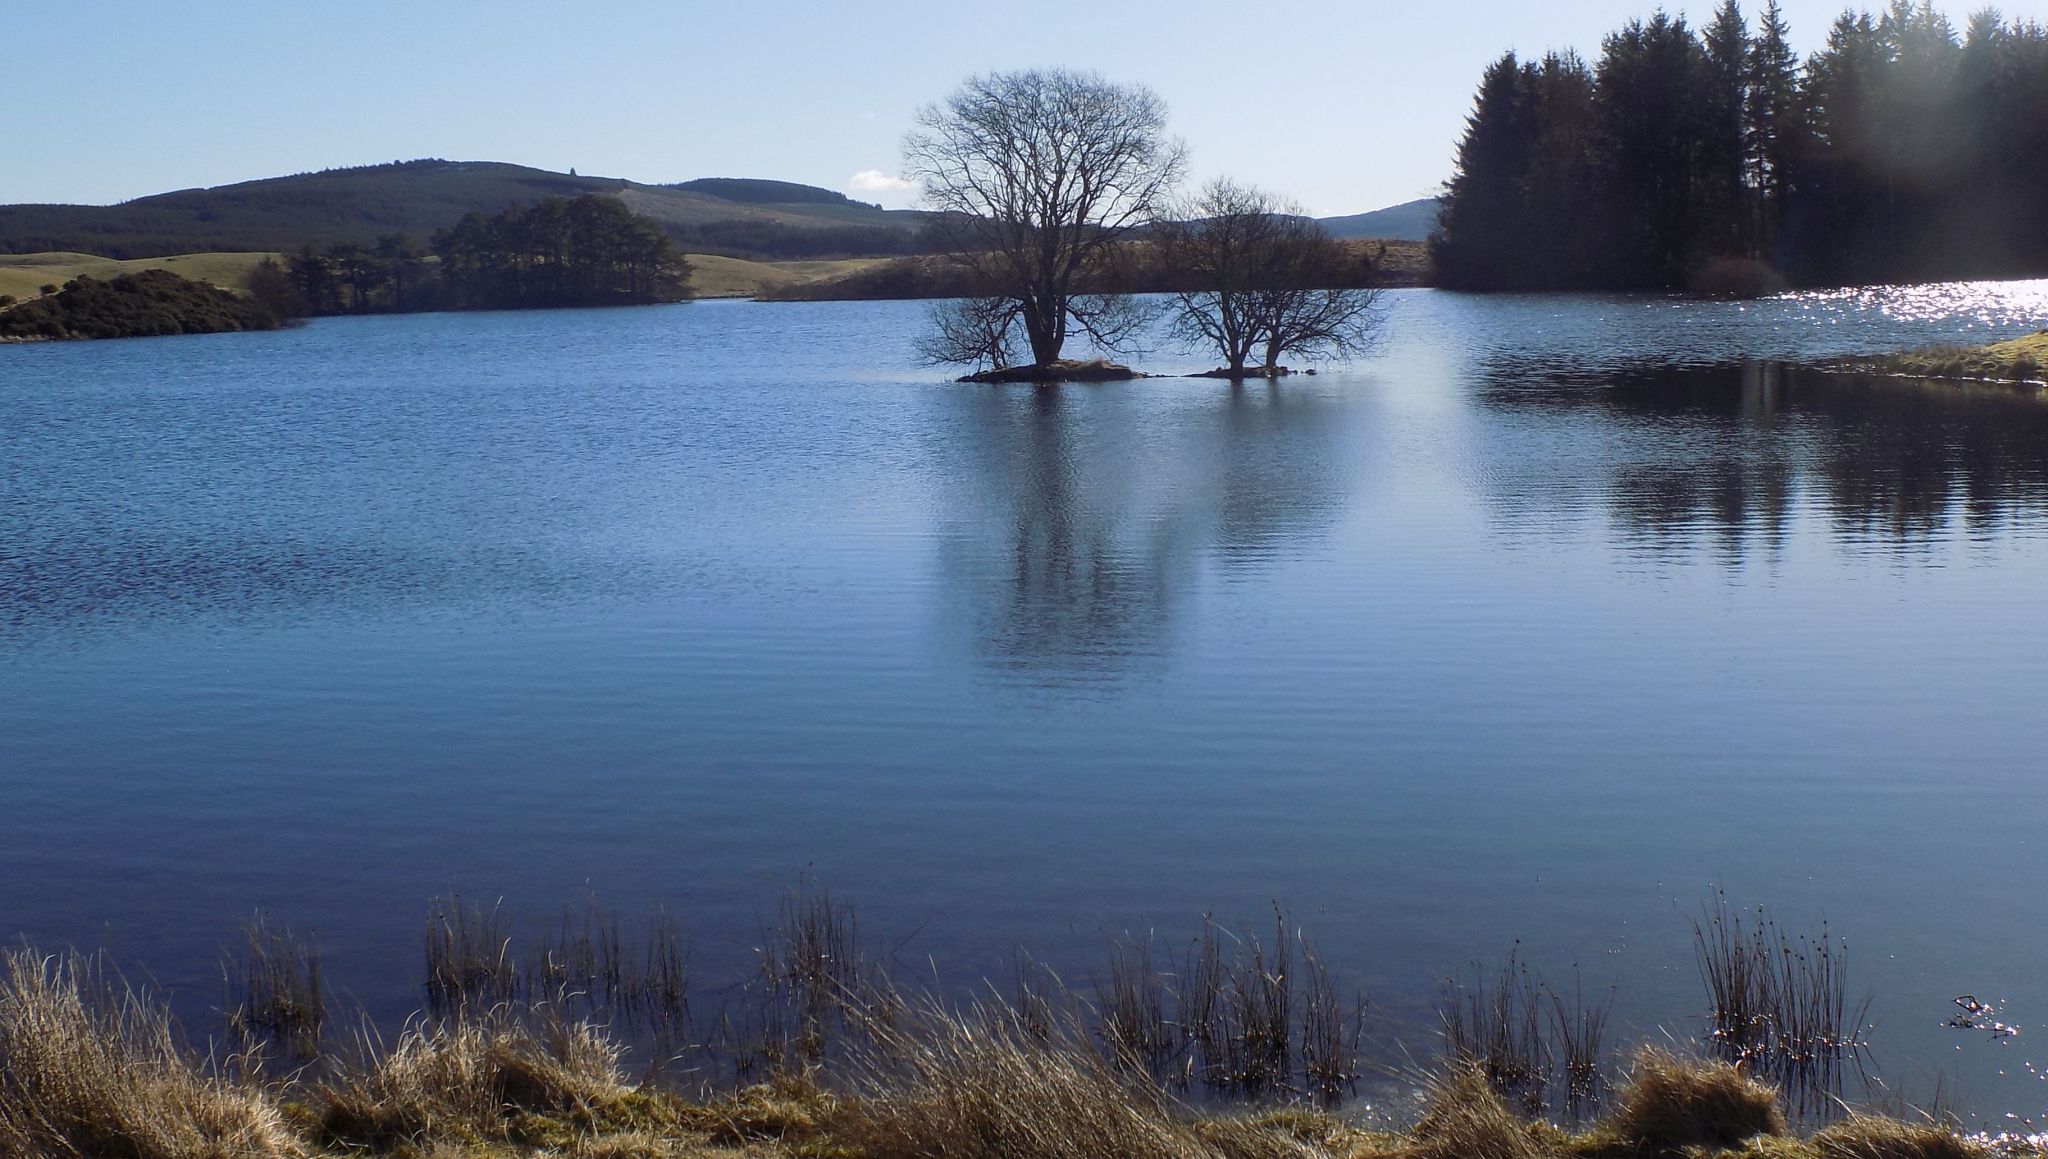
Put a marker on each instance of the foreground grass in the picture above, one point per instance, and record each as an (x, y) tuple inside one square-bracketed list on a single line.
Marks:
[(90, 1068), (2014, 360)]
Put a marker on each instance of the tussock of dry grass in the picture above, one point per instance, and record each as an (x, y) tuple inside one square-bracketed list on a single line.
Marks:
[(471, 1081), (1293, 1133), (1671, 1103), (789, 1107), (1877, 1137), (1467, 1120), (978, 1087), (93, 1069)]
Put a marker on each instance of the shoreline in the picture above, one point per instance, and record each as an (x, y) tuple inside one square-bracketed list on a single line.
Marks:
[(89, 1066), (584, 1043), (2018, 362)]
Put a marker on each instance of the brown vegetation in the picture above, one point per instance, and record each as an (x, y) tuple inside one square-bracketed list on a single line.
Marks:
[(1233, 1046), (89, 1068), (1670, 1104), (2020, 360)]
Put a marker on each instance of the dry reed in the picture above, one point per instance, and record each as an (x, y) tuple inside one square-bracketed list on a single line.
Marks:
[(1780, 1005), (1670, 1104), (974, 1085), (1863, 1136), (470, 1079), (1466, 1119), (90, 1067), (275, 994)]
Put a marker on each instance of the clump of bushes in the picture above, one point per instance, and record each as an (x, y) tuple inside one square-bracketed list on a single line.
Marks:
[(138, 305)]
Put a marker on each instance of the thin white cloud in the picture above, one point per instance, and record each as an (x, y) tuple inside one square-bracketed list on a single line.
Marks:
[(876, 181)]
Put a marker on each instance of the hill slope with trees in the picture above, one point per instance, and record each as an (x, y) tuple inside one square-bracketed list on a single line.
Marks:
[(739, 218)]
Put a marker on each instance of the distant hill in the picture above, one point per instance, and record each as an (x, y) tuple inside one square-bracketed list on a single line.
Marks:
[(1409, 221), (759, 191), (735, 216)]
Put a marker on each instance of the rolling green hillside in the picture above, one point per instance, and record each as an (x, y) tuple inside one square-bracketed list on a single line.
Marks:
[(725, 216)]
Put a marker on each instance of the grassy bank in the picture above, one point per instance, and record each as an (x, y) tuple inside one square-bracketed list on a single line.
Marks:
[(22, 276), (586, 1042), (2023, 360), (712, 276), (89, 1068)]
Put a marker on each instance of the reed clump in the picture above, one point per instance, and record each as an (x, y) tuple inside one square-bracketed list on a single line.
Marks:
[(276, 998), (1671, 1104), (471, 1080), (90, 1067), (969, 1084), (1537, 1049), (1781, 1005), (1863, 1136), (1467, 1119)]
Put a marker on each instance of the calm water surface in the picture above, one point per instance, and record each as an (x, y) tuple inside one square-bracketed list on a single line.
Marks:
[(1536, 625)]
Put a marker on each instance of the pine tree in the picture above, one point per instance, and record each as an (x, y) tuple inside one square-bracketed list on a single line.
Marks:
[(1773, 127), (1478, 235), (1725, 201)]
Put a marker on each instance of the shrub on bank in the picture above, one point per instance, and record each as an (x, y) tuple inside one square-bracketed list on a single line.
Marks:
[(139, 305)]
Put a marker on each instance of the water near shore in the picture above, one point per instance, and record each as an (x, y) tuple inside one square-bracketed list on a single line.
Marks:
[(1533, 626)]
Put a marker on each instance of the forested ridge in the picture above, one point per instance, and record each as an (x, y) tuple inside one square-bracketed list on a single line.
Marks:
[(357, 206), (1904, 150)]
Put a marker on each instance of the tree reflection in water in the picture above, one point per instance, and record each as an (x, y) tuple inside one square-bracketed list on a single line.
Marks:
[(1686, 460), (1084, 517)]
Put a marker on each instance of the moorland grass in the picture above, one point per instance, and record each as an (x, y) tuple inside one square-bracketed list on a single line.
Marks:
[(21, 275), (1232, 1049), (2022, 360), (91, 1069)]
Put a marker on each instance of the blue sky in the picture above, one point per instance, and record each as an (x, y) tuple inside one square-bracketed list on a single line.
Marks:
[(1345, 106)]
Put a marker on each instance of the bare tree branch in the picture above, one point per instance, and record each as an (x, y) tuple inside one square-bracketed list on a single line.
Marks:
[(1262, 278), (1033, 177)]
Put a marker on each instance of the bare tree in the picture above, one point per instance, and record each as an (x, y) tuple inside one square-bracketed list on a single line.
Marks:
[(1033, 178), (1262, 278)]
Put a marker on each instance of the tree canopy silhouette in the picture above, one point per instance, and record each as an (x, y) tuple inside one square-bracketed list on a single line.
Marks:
[(1901, 151), (586, 251)]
